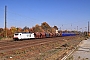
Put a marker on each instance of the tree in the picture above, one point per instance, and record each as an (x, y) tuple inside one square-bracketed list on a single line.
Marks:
[(37, 28), (55, 27), (13, 29), (19, 29), (1, 32), (31, 30), (1, 29), (26, 29), (45, 26), (53, 30)]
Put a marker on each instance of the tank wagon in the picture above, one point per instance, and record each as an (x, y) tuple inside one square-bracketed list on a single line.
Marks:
[(36, 35)]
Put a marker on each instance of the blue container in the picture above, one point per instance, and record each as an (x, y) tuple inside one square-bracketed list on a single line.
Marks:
[(68, 34)]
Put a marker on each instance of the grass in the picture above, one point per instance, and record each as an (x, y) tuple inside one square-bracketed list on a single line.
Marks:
[(3, 38), (45, 55), (0, 38)]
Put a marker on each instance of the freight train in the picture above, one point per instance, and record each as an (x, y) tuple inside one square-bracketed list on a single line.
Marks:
[(24, 35)]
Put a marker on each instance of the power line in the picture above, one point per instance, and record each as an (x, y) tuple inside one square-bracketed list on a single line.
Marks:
[(23, 16)]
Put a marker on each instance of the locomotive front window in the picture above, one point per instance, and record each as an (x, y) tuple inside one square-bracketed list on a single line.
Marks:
[(16, 34)]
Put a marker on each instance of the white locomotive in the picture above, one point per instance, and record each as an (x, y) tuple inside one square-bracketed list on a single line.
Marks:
[(20, 36)]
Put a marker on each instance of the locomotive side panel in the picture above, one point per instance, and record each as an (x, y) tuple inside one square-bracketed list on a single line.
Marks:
[(20, 36)]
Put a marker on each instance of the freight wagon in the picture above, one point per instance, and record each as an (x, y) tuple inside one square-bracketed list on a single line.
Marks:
[(68, 34)]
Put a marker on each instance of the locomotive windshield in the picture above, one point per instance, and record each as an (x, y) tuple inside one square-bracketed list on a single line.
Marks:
[(16, 34)]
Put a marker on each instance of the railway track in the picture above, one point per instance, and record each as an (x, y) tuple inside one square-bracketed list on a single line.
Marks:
[(13, 45), (30, 49), (7, 46)]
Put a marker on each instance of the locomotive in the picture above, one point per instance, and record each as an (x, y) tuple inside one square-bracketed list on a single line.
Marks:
[(24, 35), (20, 36)]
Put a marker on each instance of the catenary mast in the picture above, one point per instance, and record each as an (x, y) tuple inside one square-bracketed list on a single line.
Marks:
[(88, 27), (6, 21)]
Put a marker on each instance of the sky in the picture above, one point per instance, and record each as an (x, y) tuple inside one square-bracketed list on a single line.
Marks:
[(67, 14)]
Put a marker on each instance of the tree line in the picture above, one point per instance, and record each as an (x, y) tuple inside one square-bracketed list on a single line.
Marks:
[(44, 27)]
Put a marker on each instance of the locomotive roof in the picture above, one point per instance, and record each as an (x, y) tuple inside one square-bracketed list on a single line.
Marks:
[(23, 32)]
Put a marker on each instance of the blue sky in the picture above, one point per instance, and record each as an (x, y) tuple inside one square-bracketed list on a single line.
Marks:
[(22, 13)]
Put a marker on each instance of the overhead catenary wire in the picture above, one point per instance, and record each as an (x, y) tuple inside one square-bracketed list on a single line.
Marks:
[(23, 16), (33, 19), (27, 18)]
